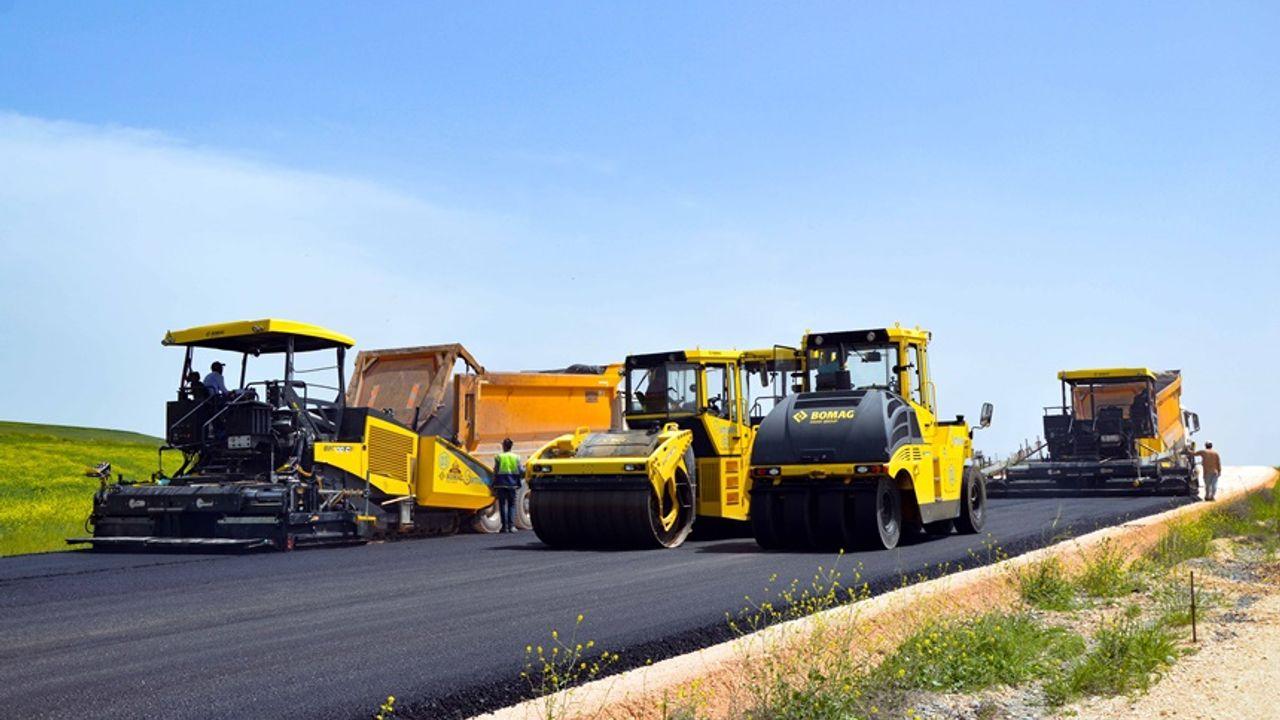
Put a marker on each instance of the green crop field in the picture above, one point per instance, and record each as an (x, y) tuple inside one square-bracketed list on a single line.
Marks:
[(44, 494)]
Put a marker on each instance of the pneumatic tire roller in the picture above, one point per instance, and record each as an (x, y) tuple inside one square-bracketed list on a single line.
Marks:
[(860, 453)]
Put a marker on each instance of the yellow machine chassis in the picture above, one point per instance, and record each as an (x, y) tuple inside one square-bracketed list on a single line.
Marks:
[(400, 466)]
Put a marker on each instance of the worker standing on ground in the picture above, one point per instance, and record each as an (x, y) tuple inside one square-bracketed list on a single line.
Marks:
[(1211, 463), (507, 476)]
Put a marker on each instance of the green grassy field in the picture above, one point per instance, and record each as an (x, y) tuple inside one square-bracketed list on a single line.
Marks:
[(44, 494)]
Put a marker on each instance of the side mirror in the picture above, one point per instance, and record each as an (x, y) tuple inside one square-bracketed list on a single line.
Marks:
[(984, 419)]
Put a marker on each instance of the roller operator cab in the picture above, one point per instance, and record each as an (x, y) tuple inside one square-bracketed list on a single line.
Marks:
[(860, 452), (284, 461), (690, 423)]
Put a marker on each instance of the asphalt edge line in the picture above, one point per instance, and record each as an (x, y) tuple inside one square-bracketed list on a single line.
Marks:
[(649, 682)]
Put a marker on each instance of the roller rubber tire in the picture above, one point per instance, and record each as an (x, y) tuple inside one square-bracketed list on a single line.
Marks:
[(878, 515), (973, 503), (765, 526), (800, 520), (836, 513)]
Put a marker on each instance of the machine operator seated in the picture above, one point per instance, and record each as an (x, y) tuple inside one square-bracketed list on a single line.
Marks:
[(195, 388)]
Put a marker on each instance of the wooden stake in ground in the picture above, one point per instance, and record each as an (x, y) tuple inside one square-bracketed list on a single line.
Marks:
[(1193, 606)]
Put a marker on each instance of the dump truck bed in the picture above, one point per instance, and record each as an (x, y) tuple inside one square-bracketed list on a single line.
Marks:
[(442, 390)]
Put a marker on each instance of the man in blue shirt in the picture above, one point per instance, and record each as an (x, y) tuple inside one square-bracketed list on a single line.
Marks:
[(507, 476), (214, 382)]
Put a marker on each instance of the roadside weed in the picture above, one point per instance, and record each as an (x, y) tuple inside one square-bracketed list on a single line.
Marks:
[(1106, 574), (827, 589), (1187, 540), (387, 710), (562, 664), (965, 655), (1171, 599), (1126, 657), (1045, 585)]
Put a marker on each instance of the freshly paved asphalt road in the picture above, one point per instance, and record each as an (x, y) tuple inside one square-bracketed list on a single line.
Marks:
[(441, 623)]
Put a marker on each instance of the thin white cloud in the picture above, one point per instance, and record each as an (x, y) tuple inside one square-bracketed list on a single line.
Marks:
[(111, 236)]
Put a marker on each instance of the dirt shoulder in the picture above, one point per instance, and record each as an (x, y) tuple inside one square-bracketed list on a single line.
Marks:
[(1233, 670)]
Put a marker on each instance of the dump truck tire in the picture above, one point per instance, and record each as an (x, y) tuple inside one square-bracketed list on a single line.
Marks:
[(878, 513), (973, 502), (523, 520), (487, 521)]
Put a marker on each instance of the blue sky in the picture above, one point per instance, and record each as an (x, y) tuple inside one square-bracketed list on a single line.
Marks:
[(1043, 185)]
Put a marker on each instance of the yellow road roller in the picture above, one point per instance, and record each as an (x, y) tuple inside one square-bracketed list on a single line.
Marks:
[(861, 450), (690, 418)]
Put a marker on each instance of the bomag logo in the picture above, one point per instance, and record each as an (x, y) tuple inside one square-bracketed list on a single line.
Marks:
[(822, 417)]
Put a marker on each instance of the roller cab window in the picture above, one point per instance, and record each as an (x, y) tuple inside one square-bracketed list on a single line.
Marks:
[(850, 367), (665, 389), (717, 391)]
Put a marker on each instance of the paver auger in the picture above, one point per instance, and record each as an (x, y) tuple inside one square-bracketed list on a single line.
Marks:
[(683, 455), (861, 450)]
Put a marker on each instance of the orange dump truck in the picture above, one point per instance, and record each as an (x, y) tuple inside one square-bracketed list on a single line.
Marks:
[(442, 391)]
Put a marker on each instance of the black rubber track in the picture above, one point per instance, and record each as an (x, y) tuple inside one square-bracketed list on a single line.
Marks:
[(441, 623)]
